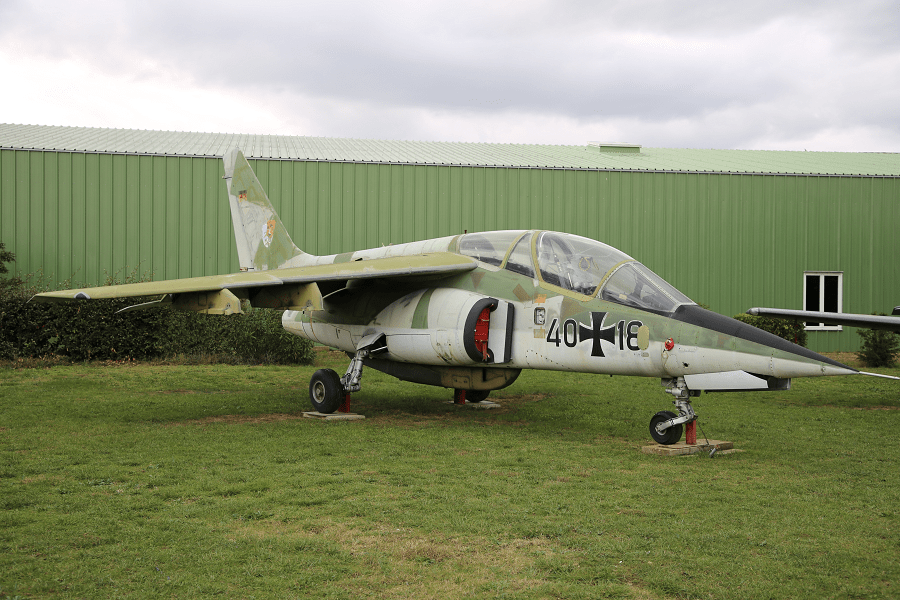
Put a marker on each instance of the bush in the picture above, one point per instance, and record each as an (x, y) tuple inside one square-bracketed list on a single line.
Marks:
[(879, 347), (255, 336), (91, 330), (5, 257), (792, 331)]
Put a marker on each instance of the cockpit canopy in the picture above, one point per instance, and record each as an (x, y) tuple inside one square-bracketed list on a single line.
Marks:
[(574, 263)]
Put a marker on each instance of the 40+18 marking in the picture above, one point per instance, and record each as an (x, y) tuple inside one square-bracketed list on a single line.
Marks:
[(622, 335)]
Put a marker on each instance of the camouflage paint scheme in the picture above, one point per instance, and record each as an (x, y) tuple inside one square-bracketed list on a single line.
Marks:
[(552, 301), (405, 311)]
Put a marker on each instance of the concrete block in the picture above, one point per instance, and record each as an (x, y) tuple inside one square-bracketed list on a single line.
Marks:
[(484, 404), (337, 416), (683, 449)]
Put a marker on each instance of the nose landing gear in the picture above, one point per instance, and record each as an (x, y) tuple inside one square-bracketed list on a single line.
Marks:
[(666, 427)]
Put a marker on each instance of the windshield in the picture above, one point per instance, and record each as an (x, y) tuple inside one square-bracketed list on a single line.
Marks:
[(581, 265), (575, 263), (636, 285)]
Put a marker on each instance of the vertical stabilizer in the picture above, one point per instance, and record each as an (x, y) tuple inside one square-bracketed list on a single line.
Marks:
[(262, 241)]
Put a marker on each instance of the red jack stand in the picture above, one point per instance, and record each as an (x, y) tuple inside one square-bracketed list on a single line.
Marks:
[(690, 433), (459, 396), (345, 405)]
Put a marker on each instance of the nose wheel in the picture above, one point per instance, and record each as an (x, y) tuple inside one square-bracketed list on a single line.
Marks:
[(666, 427), (665, 435)]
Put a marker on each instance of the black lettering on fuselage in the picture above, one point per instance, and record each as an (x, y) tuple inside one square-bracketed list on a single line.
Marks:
[(623, 335)]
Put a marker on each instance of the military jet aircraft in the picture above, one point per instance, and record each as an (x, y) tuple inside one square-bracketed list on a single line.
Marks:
[(470, 311)]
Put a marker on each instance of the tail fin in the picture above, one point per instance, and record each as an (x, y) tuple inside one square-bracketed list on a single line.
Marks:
[(262, 241)]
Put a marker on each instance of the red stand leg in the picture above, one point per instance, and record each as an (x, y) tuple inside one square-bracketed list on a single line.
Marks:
[(690, 434), (345, 405), (459, 396)]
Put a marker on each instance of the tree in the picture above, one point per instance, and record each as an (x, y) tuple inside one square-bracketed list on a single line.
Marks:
[(5, 257), (879, 347)]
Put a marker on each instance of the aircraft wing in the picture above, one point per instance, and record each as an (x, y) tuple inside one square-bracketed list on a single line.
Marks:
[(424, 266), (158, 288), (436, 264), (830, 318)]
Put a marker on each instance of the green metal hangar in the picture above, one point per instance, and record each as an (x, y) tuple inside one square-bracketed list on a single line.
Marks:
[(732, 229)]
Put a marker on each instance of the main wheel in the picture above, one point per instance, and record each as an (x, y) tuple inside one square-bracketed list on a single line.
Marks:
[(477, 395), (670, 435), (325, 391)]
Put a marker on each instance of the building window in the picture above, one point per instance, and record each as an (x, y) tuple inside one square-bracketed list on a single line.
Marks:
[(823, 291)]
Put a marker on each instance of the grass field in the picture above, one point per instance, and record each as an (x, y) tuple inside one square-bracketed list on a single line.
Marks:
[(150, 481)]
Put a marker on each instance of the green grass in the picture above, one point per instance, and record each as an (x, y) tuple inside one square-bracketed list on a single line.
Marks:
[(205, 481)]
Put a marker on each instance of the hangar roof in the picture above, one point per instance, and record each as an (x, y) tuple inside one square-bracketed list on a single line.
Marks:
[(591, 156)]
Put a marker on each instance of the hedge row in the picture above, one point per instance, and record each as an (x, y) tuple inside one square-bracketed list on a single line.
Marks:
[(91, 330)]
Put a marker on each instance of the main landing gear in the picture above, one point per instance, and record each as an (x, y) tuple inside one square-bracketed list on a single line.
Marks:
[(326, 392), (666, 427), (329, 393)]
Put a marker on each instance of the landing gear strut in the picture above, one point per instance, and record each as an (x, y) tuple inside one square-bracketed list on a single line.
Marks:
[(665, 426), (329, 393)]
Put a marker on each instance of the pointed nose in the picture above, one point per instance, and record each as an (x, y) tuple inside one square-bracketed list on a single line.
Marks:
[(751, 348)]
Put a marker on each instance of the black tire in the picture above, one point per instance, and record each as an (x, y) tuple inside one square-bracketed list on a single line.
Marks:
[(477, 395), (670, 435), (325, 391)]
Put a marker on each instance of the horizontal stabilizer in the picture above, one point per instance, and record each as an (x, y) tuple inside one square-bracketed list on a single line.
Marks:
[(830, 318)]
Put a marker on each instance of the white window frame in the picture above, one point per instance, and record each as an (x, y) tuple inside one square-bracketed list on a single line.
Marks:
[(821, 301)]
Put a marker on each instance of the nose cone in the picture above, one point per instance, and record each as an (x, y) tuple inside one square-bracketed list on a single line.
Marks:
[(724, 344)]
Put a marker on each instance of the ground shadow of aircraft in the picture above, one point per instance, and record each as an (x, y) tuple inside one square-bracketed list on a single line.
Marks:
[(468, 312)]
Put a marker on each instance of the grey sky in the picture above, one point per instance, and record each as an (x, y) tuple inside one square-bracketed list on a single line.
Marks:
[(704, 74)]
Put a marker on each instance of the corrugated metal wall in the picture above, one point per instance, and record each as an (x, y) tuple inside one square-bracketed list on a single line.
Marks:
[(729, 241), (83, 216)]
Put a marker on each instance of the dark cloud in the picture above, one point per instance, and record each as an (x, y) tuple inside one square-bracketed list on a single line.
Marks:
[(801, 66)]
